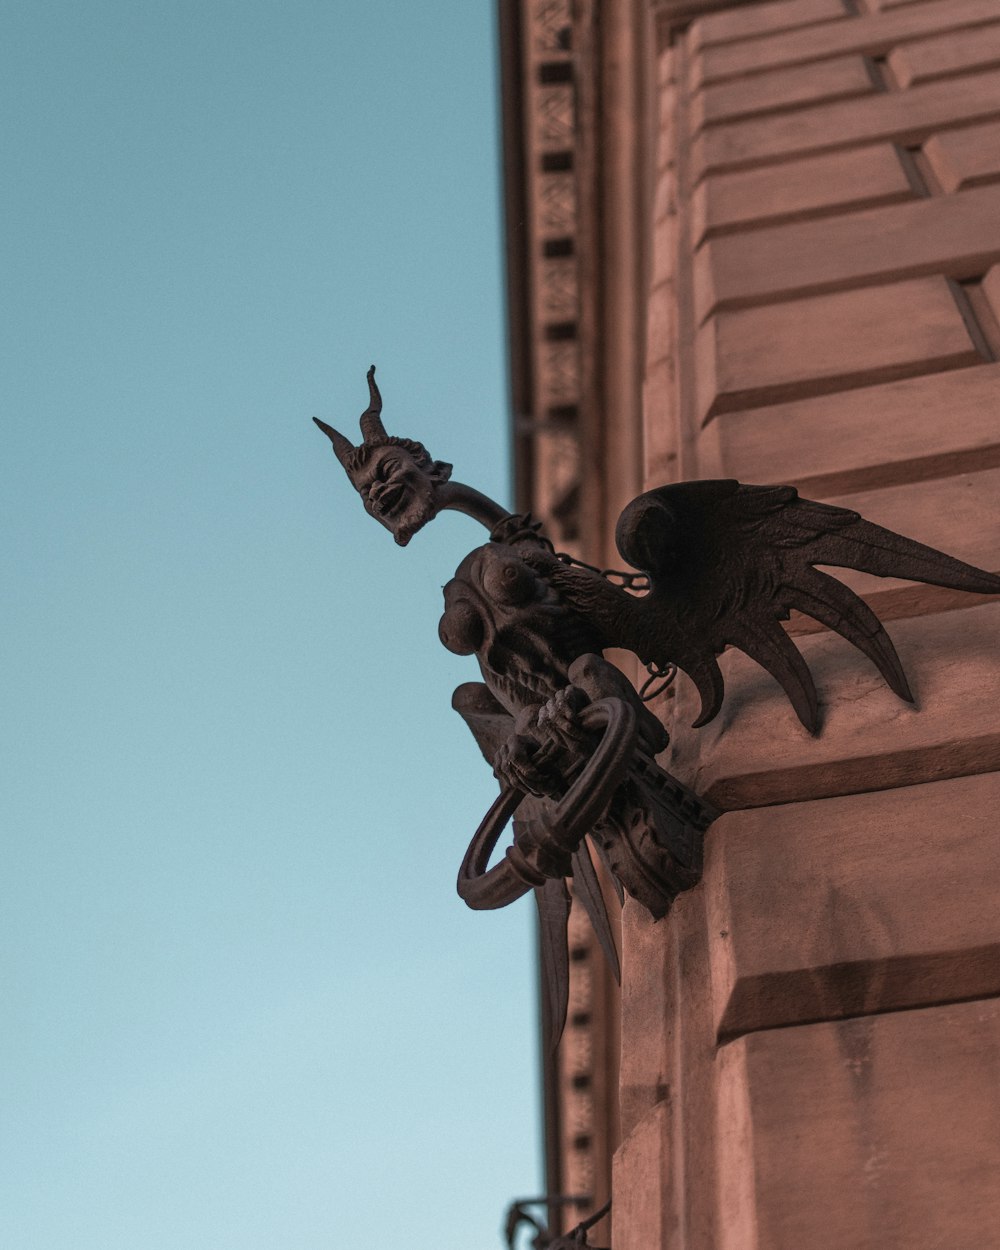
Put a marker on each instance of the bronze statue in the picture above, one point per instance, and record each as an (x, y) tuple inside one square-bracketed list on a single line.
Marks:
[(569, 738), (519, 1216)]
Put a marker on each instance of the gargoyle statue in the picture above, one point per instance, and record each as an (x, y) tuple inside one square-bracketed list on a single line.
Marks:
[(570, 740)]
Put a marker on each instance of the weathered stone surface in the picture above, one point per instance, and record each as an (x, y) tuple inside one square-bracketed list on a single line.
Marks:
[(661, 315), (659, 398), (669, 1056), (642, 1216), (648, 977), (904, 117), (755, 753), (855, 905), (906, 431), (664, 249), (958, 236), (874, 35), (818, 186), (878, 1132), (828, 343), (842, 78), (853, 883), (956, 52), (991, 290), (965, 158), (738, 23), (737, 1216)]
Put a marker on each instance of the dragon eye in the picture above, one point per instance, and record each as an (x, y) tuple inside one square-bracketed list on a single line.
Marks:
[(509, 581), (461, 629)]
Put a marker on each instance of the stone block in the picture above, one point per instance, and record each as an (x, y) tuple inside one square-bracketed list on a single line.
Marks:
[(664, 265), (660, 318), (782, 89), (756, 754), (648, 977), (854, 905), (873, 35), (965, 158), (665, 196), (667, 100), (908, 431), (904, 117), (957, 52), (666, 66), (643, 1217), (733, 1140), (829, 343), (759, 19), (991, 290), (958, 236), (837, 182), (878, 1132), (660, 424)]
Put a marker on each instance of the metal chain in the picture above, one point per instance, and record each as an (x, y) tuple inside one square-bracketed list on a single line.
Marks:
[(629, 581), (637, 582)]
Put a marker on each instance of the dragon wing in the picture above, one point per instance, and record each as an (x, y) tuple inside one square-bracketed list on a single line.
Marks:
[(728, 562)]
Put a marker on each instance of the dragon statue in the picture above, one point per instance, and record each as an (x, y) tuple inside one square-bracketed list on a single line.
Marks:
[(572, 743)]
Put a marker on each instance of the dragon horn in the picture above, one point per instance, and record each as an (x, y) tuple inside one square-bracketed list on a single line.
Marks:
[(371, 420), (343, 447)]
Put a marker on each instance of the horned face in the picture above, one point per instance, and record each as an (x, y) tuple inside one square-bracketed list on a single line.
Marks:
[(396, 489), (395, 477)]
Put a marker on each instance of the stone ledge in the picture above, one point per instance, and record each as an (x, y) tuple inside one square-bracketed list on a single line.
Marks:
[(746, 20), (829, 343), (904, 431), (816, 187), (957, 236), (872, 34)]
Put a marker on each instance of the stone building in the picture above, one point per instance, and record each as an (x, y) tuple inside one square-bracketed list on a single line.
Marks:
[(762, 241)]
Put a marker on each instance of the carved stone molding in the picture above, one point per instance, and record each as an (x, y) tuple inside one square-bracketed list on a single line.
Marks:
[(552, 177)]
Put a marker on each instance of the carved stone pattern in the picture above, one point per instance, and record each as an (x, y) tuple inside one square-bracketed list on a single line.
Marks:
[(550, 23), (555, 117), (561, 362), (579, 1119), (562, 453), (560, 290), (554, 196), (557, 205)]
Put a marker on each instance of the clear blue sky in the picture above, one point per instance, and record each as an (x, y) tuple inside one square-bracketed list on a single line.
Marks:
[(243, 1007)]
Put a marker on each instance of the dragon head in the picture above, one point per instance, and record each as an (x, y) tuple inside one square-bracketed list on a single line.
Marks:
[(503, 607)]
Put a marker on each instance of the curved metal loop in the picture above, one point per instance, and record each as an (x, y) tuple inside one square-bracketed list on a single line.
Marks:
[(559, 832), (668, 672)]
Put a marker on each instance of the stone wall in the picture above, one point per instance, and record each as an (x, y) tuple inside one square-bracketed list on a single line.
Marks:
[(811, 1040)]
